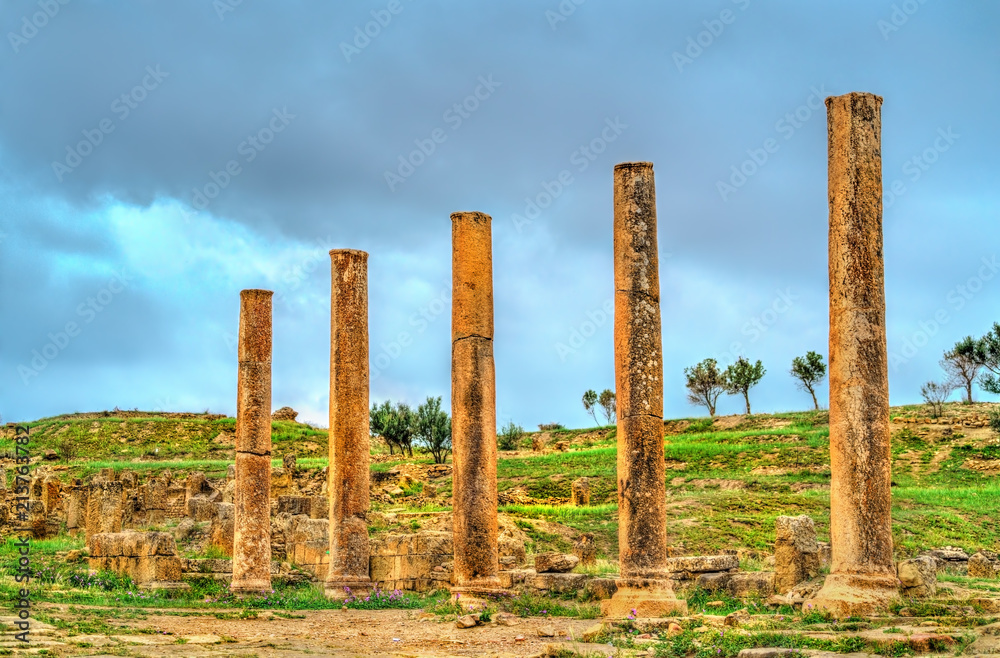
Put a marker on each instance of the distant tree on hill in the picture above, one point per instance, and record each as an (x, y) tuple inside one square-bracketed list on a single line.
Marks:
[(432, 428), (809, 371), (963, 364), (705, 383), (590, 404), (741, 376), (988, 350), (935, 395), (395, 424), (609, 403)]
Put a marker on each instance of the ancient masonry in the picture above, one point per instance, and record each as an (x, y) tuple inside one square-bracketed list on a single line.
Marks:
[(349, 449), (473, 400), (252, 496), (862, 577), (643, 586)]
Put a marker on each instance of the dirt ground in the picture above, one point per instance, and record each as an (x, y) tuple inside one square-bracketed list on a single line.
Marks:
[(396, 633)]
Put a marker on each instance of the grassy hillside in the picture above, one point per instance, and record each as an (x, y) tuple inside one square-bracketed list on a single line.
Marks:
[(726, 481)]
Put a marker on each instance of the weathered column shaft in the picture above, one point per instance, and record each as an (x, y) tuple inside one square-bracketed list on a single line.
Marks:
[(862, 573), (473, 400), (642, 497), (252, 499), (642, 515), (347, 485), (860, 523)]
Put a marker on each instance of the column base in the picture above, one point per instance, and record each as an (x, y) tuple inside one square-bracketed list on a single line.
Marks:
[(251, 586), (337, 588), (478, 592), (846, 594), (643, 598)]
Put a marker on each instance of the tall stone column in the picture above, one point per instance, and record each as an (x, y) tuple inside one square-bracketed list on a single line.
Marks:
[(642, 497), (348, 474), (473, 406), (862, 577), (252, 499)]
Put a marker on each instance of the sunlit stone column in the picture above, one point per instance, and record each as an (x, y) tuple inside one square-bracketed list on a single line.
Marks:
[(252, 498), (473, 400), (862, 577), (642, 498), (348, 480)]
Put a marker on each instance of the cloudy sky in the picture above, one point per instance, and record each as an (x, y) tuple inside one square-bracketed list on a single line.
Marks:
[(157, 157)]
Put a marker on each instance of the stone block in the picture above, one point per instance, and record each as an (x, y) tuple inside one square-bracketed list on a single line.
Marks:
[(702, 563), (555, 562), (751, 584), (918, 576)]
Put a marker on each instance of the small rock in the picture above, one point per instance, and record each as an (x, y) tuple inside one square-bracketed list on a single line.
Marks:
[(738, 618), (701, 629), (74, 556), (546, 631), (467, 621), (715, 604), (184, 529), (519, 638), (674, 629), (592, 633)]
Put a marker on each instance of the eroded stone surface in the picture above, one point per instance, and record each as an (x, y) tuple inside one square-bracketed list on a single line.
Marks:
[(252, 494), (862, 575), (473, 399), (348, 485), (642, 522)]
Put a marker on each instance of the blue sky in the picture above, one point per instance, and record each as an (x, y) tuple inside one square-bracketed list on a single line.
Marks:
[(158, 157)]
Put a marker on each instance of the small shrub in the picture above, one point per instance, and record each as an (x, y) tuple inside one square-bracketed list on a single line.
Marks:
[(995, 420), (510, 436), (550, 427)]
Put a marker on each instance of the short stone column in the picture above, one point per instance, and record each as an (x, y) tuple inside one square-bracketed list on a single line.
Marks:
[(643, 585), (862, 578), (473, 406), (348, 475), (252, 496)]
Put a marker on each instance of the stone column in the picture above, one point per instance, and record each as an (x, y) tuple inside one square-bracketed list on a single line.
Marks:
[(473, 406), (252, 497), (642, 497), (348, 474), (862, 578)]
